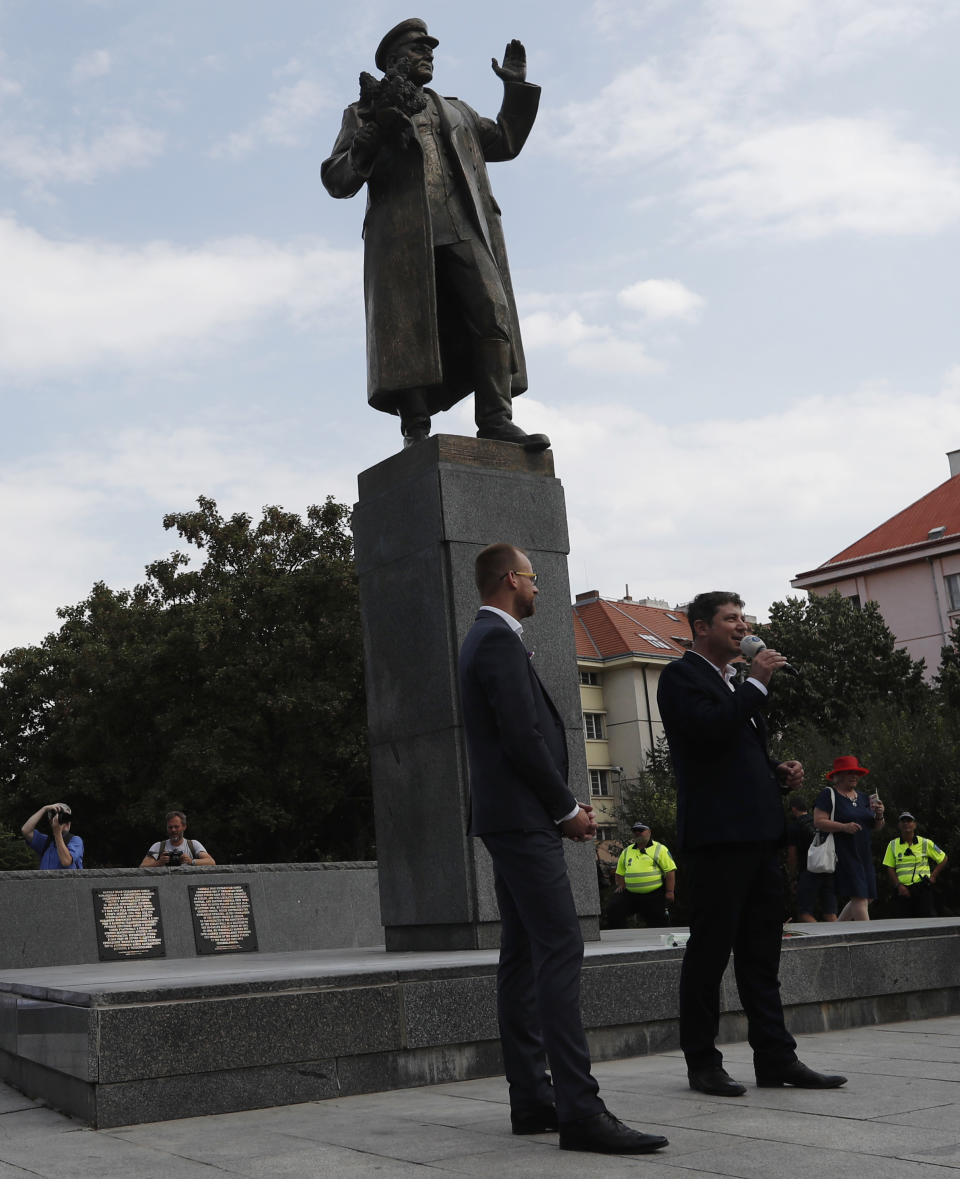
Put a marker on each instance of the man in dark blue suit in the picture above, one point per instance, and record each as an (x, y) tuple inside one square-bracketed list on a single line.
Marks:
[(521, 805), (730, 826)]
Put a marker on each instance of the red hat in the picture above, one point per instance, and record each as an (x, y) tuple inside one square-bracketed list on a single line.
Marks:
[(847, 764)]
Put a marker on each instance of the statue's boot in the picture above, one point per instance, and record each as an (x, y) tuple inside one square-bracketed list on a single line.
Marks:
[(493, 402), (414, 417)]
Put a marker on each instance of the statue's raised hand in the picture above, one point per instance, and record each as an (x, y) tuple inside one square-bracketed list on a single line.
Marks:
[(514, 68)]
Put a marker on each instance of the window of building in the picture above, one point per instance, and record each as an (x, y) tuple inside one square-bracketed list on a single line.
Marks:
[(590, 677), (600, 783), (593, 725), (604, 833), (854, 600), (653, 640), (953, 590)]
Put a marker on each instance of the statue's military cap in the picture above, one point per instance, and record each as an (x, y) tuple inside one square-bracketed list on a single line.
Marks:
[(413, 29)]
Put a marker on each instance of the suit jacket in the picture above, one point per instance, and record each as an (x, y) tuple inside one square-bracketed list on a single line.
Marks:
[(727, 787), (410, 344), (516, 745)]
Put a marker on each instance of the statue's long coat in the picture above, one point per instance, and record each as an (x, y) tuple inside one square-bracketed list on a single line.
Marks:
[(411, 341)]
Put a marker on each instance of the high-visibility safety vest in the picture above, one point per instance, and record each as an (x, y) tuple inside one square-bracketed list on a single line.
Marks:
[(912, 860), (643, 868)]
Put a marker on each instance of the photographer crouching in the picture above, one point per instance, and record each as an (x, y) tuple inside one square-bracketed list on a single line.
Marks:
[(177, 850), (58, 849)]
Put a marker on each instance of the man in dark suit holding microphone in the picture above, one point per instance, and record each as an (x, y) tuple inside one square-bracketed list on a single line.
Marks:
[(521, 805), (730, 825)]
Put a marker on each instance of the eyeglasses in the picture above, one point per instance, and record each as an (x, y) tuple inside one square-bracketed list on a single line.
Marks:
[(534, 577)]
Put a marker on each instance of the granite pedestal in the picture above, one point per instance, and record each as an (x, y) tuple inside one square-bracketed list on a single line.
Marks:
[(118, 1043), (49, 918), (422, 517)]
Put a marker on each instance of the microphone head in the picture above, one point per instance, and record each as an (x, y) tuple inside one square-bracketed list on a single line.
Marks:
[(750, 645)]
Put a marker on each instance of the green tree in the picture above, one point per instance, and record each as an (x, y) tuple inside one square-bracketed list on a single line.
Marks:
[(651, 797), (848, 660), (15, 856), (948, 677), (232, 690)]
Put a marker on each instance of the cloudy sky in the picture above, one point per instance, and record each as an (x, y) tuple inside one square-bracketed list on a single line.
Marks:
[(734, 238)]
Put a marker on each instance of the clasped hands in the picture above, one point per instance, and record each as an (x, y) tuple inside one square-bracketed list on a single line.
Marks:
[(582, 827)]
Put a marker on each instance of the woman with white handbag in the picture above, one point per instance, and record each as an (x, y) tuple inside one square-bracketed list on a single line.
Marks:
[(851, 816)]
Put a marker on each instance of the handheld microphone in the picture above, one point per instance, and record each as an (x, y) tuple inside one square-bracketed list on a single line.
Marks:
[(750, 645)]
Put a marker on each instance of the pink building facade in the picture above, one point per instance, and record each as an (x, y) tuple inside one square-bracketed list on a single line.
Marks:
[(909, 566)]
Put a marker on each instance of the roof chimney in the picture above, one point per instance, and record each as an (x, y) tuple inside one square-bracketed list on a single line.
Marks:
[(626, 594), (953, 458)]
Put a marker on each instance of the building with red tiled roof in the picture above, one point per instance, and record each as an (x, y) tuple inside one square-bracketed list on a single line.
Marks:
[(909, 566), (622, 646)]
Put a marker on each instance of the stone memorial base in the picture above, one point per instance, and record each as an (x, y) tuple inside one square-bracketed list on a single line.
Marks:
[(421, 518), (115, 1043), (123, 914)]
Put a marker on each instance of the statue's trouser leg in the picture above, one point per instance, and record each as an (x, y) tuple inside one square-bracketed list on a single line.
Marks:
[(467, 273), (414, 415), (493, 401)]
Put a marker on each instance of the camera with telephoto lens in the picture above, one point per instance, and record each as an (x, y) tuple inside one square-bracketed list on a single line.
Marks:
[(174, 857)]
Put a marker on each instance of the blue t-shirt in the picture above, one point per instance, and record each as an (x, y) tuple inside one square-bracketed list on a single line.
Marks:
[(47, 848)]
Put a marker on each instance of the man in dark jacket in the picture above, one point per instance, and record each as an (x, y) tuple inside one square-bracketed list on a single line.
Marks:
[(520, 806), (730, 826), (441, 316)]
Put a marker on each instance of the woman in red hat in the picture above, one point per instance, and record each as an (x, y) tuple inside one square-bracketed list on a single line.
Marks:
[(855, 816)]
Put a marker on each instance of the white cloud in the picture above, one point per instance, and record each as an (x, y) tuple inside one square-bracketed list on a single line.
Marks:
[(95, 64), (65, 305), (594, 347), (546, 329), (289, 115), (743, 503), (739, 502), (830, 175), (93, 511), (43, 161), (662, 298), (713, 109), (827, 35)]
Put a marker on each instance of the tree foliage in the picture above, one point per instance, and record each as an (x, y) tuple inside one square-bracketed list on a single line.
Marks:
[(948, 677), (232, 690), (848, 661)]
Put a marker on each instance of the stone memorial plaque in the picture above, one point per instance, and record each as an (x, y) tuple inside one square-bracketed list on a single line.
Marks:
[(222, 918), (128, 923)]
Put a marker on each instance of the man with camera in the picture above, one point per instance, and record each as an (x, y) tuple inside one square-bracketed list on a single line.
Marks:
[(59, 849), (177, 850)]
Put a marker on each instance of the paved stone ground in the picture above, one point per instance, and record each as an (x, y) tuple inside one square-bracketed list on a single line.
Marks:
[(898, 1118)]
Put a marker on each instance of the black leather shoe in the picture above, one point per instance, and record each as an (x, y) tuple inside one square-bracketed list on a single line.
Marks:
[(508, 432), (412, 437), (716, 1081), (801, 1077), (606, 1134), (542, 1119)]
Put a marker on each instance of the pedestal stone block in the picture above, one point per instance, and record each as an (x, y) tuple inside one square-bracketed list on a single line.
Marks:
[(422, 517)]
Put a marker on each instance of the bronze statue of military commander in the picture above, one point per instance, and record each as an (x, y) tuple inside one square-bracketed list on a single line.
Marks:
[(441, 316)]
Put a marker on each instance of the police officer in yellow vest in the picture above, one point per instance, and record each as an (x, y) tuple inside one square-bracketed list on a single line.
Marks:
[(908, 862), (644, 881)]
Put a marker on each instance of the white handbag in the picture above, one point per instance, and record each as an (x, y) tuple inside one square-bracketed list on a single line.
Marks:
[(822, 853)]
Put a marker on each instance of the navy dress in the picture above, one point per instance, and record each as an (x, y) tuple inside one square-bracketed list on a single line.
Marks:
[(855, 875)]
